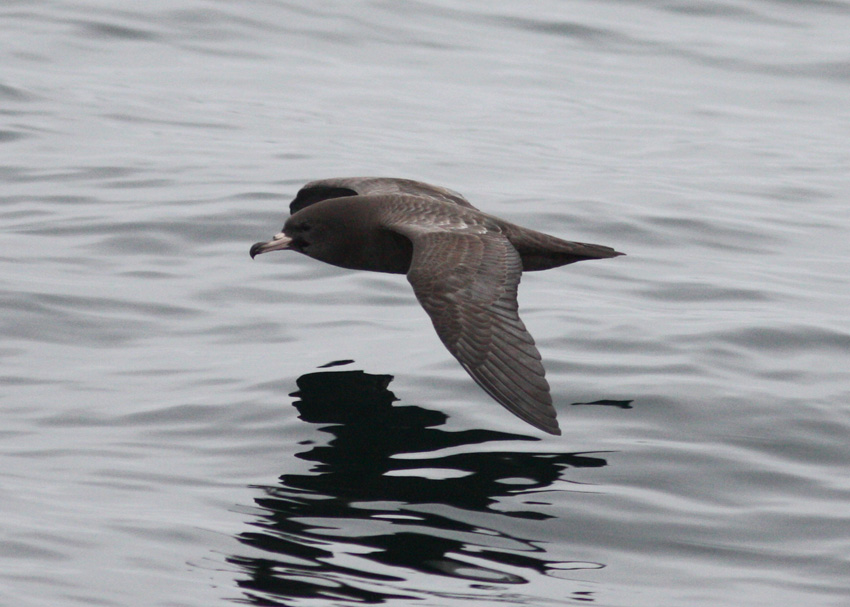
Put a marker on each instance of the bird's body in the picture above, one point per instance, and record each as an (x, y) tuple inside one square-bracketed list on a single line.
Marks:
[(464, 266)]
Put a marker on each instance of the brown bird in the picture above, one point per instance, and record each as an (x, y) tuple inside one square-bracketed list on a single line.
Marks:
[(464, 266)]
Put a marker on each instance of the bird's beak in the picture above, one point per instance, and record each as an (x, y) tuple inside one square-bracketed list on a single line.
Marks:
[(279, 242)]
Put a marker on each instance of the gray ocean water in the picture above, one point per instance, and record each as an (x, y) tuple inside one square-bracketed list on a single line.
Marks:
[(171, 433)]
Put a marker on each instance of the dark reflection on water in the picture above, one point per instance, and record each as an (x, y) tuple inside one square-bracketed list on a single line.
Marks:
[(619, 404), (362, 523)]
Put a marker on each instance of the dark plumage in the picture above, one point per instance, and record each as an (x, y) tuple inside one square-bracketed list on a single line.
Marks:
[(464, 266)]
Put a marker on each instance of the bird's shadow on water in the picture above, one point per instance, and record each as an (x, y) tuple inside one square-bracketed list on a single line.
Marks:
[(391, 498)]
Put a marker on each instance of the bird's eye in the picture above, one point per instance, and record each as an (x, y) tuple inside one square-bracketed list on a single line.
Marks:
[(305, 227)]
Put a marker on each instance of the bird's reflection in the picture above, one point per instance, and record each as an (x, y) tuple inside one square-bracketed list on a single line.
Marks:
[(381, 515)]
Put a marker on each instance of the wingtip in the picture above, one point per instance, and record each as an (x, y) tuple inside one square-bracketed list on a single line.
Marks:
[(550, 427)]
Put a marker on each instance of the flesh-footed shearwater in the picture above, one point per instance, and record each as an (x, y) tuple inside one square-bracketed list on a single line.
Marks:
[(464, 266)]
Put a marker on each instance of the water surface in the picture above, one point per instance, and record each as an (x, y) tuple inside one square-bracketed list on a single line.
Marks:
[(171, 434)]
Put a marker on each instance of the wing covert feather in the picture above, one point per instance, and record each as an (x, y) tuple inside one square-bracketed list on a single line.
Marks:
[(467, 282)]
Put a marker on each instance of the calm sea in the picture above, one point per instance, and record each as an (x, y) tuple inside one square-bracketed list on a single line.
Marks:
[(182, 426)]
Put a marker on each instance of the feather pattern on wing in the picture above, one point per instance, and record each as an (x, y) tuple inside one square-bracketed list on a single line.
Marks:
[(338, 187), (467, 283)]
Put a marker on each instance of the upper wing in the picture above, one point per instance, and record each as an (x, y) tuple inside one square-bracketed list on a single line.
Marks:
[(467, 282), (316, 191)]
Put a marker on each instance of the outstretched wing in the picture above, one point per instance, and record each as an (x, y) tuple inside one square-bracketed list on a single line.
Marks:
[(337, 187), (467, 282)]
